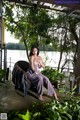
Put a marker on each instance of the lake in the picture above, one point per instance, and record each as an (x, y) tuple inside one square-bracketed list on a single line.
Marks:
[(50, 58)]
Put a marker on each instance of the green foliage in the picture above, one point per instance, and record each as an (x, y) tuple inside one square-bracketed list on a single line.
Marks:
[(53, 74), (72, 92), (51, 111), (2, 74), (13, 115), (40, 26), (28, 24), (26, 116), (74, 107), (68, 109)]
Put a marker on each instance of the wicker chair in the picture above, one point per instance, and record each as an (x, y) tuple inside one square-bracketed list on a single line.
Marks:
[(19, 77)]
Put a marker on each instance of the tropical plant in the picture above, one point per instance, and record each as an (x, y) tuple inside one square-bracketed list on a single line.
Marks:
[(27, 116), (51, 111), (74, 107), (53, 74), (67, 109)]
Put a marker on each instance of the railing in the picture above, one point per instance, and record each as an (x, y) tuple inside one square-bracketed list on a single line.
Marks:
[(68, 72), (10, 65)]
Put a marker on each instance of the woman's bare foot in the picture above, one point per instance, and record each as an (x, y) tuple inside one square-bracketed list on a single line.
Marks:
[(55, 97), (41, 98)]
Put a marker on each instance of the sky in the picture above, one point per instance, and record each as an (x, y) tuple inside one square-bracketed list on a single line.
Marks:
[(9, 38)]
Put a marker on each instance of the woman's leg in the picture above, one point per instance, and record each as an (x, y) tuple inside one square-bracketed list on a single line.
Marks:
[(37, 82), (48, 85)]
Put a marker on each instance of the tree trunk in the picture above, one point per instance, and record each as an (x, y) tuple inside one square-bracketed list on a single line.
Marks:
[(77, 69), (61, 52), (77, 62), (26, 48), (77, 58)]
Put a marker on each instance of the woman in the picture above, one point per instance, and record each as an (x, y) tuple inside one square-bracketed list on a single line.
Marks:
[(36, 78)]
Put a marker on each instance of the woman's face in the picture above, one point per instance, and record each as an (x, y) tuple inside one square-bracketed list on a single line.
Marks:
[(35, 51)]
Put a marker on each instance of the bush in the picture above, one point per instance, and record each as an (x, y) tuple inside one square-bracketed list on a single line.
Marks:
[(53, 74), (66, 110)]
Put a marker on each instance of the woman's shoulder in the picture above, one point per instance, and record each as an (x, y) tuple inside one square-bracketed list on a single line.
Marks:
[(31, 57)]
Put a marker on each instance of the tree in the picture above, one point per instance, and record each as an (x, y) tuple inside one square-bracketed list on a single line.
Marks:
[(69, 39), (39, 26), (29, 25)]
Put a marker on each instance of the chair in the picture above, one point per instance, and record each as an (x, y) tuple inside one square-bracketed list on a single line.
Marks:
[(19, 77)]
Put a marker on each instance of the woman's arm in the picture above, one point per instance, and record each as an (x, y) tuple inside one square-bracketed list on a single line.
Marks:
[(41, 62), (31, 63)]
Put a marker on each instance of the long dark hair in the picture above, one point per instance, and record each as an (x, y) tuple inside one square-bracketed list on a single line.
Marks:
[(31, 51)]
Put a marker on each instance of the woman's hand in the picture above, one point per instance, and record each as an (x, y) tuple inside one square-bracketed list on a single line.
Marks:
[(40, 60), (41, 64)]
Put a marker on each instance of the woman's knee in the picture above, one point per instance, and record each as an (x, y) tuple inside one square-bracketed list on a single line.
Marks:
[(46, 79), (40, 79)]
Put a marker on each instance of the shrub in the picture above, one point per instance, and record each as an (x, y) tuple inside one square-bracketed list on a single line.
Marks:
[(53, 74), (2, 74), (68, 109)]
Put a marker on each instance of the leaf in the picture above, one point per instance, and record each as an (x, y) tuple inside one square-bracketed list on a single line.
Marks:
[(74, 87), (54, 107), (59, 118), (26, 116), (47, 118), (37, 114), (64, 118), (68, 115)]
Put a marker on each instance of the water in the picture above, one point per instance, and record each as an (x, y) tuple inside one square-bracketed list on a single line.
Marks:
[(50, 58)]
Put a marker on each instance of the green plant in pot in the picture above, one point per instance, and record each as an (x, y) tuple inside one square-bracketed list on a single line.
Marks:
[(53, 75)]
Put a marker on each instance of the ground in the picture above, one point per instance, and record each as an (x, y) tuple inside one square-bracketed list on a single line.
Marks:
[(11, 99)]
